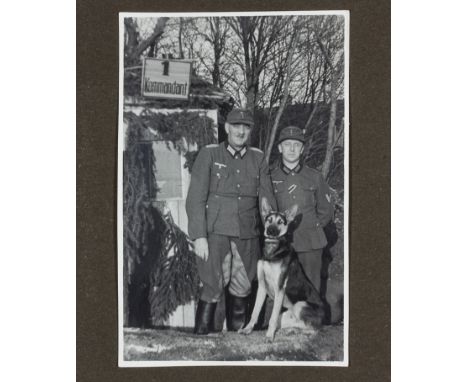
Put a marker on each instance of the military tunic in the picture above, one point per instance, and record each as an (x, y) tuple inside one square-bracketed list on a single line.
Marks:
[(222, 204), (305, 187)]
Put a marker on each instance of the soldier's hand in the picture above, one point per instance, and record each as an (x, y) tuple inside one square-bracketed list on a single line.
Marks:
[(201, 248)]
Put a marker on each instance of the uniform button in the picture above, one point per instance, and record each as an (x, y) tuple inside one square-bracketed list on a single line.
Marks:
[(239, 198), (238, 171), (292, 174), (294, 197), (238, 186), (216, 196)]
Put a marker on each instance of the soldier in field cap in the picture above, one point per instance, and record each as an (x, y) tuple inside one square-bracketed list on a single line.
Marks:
[(223, 220), (296, 183)]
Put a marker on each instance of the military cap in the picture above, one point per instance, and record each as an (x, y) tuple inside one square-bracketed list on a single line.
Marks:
[(240, 116), (291, 132)]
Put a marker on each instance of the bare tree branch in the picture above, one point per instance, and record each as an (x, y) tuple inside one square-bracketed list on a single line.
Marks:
[(157, 33), (285, 97)]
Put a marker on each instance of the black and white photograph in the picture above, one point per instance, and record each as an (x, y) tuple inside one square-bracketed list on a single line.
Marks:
[(233, 189)]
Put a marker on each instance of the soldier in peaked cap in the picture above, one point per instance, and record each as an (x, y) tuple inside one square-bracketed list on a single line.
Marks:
[(296, 183), (223, 220)]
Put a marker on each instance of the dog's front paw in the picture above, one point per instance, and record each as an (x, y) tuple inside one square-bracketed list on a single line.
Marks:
[(270, 335), (247, 330)]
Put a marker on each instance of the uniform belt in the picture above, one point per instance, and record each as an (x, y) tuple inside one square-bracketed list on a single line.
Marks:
[(234, 196)]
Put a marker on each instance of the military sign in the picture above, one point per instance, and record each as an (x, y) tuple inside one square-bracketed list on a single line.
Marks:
[(163, 78)]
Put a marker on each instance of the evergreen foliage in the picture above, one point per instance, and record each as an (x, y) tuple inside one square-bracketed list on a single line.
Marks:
[(174, 280), (142, 228), (183, 129), (159, 265)]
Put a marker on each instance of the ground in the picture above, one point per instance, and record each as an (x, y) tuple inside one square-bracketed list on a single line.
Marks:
[(325, 344)]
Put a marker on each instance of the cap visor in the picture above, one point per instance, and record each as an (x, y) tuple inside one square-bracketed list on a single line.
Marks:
[(291, 139), (241, 121)]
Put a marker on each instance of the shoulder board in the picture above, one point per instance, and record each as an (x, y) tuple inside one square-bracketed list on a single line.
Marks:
[(274, 167), (255, 149), (212, 145), (314, 170)]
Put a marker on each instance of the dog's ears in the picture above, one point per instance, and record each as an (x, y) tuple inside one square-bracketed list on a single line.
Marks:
[(266, 208), (291, 213)]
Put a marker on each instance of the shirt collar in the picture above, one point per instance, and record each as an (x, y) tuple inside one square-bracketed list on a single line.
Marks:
[(296, 169), (235, 152)]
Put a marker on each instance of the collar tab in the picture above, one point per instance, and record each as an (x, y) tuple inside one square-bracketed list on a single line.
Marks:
[(236, 153)]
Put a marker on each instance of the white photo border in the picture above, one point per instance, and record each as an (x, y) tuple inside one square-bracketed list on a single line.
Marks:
[(121, 361)]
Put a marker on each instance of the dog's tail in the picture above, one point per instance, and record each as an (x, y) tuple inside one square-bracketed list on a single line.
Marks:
[(310, 313)]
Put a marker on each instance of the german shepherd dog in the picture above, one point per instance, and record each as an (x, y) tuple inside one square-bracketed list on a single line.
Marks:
[(280, 275)]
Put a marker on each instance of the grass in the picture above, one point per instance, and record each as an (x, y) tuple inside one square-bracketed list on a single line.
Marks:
[(325, 344)]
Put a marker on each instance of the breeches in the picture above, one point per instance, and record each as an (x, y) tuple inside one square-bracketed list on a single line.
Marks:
[(231, 262)]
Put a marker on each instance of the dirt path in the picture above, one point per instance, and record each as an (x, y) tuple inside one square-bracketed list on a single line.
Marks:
[(289, 345)]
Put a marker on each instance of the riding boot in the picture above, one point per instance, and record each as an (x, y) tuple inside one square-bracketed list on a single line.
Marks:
[(236, 314), (204, 317)]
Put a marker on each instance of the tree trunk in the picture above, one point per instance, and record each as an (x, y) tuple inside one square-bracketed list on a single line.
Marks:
[(250, 99), (331, 126), (272, 136), (217, 50), (216, 74), (132, 41), (181, 27), (332, 119), (315, 105)]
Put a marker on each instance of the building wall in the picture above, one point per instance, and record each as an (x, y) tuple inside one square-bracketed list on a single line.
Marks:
[(175, 195)]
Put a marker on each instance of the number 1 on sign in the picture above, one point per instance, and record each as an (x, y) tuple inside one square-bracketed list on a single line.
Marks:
[(165, 65)]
